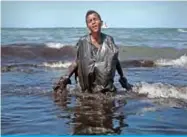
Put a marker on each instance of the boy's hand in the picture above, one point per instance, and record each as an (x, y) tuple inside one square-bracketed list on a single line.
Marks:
[(62, 83), (66, 81)]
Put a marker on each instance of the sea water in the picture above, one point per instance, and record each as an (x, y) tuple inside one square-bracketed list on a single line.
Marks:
[(153, 60)]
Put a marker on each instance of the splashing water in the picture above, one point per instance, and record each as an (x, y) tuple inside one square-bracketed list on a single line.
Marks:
[(54, 45), (59, 64), (180, 62), (157, 90), (181, 30)]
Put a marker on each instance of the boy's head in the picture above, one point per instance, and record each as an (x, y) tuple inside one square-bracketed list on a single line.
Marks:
[(92, 12), (93, 21)]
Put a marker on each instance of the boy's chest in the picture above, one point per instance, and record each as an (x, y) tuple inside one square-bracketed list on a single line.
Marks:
[(100, 53)]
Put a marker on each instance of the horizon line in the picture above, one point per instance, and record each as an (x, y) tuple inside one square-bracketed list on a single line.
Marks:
[(86, 27)]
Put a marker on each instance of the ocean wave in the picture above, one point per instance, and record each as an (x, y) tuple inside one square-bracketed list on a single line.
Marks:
[(19, 68), (55, 45), (29, 67), (160, 90), (23, 90), (137, 63), (59, 64), (181, 30), (20, 53), (55, 52), (180, 62)]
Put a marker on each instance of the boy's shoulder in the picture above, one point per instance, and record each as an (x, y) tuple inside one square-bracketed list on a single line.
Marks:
[(105, 36), (108, 37), (85, 37), (82, 39)]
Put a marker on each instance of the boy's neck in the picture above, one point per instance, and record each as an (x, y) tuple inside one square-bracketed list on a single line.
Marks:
[(96, 36)]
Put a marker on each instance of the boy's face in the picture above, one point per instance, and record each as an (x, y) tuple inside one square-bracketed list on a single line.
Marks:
[(94, 23)]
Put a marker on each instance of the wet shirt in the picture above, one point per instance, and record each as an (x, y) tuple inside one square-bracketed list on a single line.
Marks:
[(94, 51), (96, 66)]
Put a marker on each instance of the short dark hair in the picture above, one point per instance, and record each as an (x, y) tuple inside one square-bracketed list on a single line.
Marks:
[(91, 12)]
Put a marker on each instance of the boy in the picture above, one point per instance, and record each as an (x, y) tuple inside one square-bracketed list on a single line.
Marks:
[(97, 59)]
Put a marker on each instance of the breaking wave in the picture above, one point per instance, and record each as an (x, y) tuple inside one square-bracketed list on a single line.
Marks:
[(58, 55), (54, 45), (160, 90), (181, 30), (59, 64), (179, 62), (36, 53), (28, 67)]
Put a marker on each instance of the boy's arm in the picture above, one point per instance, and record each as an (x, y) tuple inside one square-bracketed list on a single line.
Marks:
[(123, 81), (74, 66), (118, 65), (73, 69), (119, 69)]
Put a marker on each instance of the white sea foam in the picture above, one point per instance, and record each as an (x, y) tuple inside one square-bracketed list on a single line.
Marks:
[(160, 90), (181, 30), (54, 45), (181, 62), (59, 64)]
